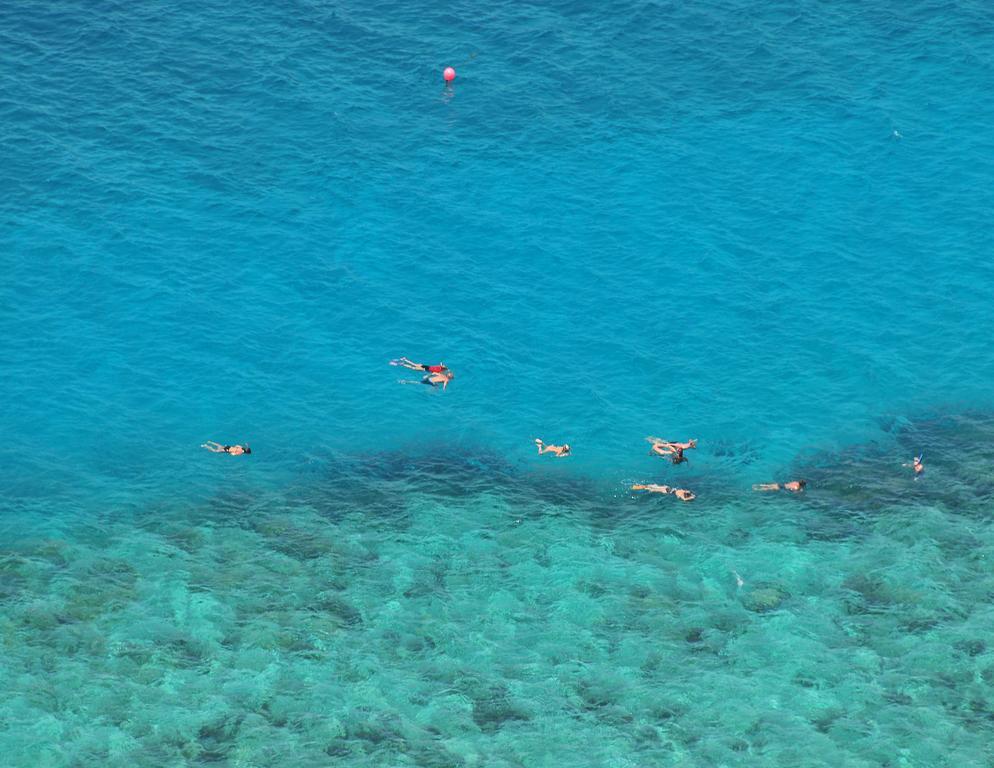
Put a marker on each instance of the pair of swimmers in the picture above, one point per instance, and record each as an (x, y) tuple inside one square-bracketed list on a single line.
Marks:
[(660, 447), (669, 449), (672, 450), (435, 375), (796, 486)]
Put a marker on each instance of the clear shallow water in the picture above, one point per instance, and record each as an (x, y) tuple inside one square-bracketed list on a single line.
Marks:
[(220, 221)]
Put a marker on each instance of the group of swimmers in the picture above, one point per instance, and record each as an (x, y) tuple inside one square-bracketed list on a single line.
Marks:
[(440, 376), (674, 451)]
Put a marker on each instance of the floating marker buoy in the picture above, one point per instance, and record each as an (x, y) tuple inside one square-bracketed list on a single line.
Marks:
[(449, 74)]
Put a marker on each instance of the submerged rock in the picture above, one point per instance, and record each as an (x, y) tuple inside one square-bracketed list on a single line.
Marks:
[(493, 707), (492, 714), (217, 737), (971, 647), (764, 597), (346, 613)]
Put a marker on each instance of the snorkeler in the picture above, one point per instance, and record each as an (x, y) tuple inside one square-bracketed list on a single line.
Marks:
[(408, 363), (561, 451), (668, 449), (794, 486), (433, 379), (916, 463), (233, 450), (680, 493)]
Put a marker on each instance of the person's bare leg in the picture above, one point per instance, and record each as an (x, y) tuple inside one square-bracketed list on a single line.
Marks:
[(213, 447), (652, 488), (766, 487), (670, 444)]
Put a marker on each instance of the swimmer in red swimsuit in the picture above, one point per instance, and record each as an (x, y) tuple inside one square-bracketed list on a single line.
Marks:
[(408, 363)]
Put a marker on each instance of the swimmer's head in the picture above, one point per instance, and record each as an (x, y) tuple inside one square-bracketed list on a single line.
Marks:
[(566, 449), (247, 449), (693, 443), (449, 374)]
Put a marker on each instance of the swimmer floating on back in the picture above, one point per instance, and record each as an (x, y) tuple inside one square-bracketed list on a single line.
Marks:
[(680, 493), (432, 379), (669, 449), (794, 486), (233, 450), (916, 463), (561, 451)]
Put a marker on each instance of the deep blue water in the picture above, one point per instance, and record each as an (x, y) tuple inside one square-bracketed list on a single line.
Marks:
[(763, 225)]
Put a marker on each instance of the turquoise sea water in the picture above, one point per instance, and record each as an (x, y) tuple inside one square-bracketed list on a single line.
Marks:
[(765, 225)]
